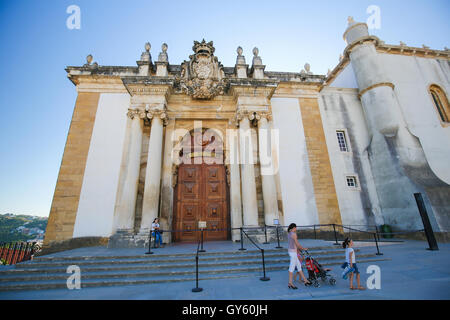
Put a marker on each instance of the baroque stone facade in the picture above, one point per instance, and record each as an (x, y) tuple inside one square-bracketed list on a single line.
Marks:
[(242, 147)]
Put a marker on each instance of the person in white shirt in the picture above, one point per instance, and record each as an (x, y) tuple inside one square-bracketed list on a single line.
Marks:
[(350, 259)]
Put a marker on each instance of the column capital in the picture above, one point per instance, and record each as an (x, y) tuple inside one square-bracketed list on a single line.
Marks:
[(262, 115), (251, 115), (158, 113), (136, 113)]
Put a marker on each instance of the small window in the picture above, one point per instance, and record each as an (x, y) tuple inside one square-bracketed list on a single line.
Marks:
[(352, 182), (440, 102), (342, 141)]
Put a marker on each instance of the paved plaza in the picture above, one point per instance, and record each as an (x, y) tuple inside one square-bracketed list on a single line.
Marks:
[(411, 272)]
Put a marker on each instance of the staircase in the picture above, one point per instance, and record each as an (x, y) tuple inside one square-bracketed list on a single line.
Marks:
[(100, 271)]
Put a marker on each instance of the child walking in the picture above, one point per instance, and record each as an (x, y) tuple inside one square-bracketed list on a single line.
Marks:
[(350, 260)]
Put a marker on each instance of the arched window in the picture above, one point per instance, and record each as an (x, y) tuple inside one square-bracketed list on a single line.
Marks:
[(441, 102)]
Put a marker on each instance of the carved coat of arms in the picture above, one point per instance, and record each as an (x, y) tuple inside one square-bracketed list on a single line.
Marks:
[(202, 77)]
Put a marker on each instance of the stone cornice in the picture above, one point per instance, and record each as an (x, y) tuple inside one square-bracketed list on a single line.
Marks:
[(161, 86), (412, 51), (98, 83), (102, 70), (297, 90), (382, 47), (253, 88), (381, 84)]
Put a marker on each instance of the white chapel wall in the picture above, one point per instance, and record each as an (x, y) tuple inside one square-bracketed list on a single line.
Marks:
[(341, 110), (412, 76)]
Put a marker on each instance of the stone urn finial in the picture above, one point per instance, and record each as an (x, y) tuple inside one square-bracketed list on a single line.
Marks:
[(239, 51), (350, 20), (164, 47), (147, 46), (89, 59), (255, 51), (307, 67)]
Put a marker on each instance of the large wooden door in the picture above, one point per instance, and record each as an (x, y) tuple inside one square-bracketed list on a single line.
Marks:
[(201, 195)]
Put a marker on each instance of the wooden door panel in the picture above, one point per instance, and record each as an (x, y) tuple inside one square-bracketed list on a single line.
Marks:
[(190, 190), (213, 173), (214, 190), (201, 196), (213, 210), (187, 235)]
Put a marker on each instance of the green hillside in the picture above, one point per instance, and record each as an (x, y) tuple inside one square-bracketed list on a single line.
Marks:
[(9, 223)]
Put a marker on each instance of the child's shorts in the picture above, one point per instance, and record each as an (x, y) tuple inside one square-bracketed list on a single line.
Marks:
[(355, 267)]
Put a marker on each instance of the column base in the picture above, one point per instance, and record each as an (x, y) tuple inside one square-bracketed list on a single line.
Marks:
[(126, 239)]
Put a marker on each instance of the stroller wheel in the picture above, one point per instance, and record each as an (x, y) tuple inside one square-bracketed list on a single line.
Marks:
[(316, 284), (332, 281)]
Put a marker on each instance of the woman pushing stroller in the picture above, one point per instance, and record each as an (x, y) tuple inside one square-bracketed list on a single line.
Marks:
[(293, 246)]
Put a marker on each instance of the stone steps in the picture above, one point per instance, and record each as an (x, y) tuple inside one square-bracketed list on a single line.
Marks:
[(50, 272), (21, 275), (163, 259)]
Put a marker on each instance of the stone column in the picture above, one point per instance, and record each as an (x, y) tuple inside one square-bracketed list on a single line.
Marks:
[(152, 185), (235, 183), (250, 206), (269, 187), (127, 193)]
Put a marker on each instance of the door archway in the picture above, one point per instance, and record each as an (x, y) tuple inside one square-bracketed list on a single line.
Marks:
[(201, 192)]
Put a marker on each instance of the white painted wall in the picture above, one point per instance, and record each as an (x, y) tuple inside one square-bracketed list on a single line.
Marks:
[(341, 109), (345, 79), (101, 177), (412, 76), (295, 176)]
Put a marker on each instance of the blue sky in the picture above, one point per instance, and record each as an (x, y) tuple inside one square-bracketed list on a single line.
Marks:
[(37, 99)]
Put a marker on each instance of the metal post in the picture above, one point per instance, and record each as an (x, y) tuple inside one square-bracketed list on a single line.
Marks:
[(149, 243), (278, 240), (432, 243), (335, 236), (376, 230), (242, 242), (196, 289), (376, 242), (264, 278), (201, 245), (265, 233), (11, 253), (17, 254), (315, 235), (22, 253)]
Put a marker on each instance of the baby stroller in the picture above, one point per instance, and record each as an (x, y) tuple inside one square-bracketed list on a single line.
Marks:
[(316, 272)]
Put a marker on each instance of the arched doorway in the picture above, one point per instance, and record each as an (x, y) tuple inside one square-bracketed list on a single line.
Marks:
[(201, 193)]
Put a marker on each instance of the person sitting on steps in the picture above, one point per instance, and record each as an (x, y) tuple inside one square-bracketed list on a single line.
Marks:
[(156, 233)]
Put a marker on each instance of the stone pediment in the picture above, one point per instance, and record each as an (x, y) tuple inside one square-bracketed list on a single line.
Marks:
[(202, 77)]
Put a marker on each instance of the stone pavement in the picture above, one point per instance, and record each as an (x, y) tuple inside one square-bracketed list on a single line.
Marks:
[(412, 273)]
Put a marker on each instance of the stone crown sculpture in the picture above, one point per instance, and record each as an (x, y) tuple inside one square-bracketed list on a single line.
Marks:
[(202, 77)]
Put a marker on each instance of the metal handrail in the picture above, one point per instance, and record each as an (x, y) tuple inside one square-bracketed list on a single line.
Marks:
[(263, 278), (197, 289)]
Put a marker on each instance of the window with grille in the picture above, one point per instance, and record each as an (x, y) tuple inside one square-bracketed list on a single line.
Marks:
[(342, 141), (352, 182), (440, 102)]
